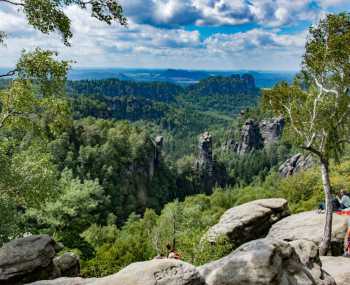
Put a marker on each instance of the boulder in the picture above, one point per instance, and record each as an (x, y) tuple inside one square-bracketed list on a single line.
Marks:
[(271, 130), (260, 262), (337, 267), (309, 226), (28, 259), (68, 264), (295, 164), (154, 272), (248, 221)]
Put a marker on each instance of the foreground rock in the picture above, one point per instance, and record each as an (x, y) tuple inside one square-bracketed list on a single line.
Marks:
[(338, 267), (154, 272), (263, 262), (296, 164), (248, 221), (309, 226), (28, 259), (32, 258)]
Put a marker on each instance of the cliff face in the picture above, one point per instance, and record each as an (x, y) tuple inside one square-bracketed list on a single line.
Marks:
[(256, 135), (296, 164), (271, 130)]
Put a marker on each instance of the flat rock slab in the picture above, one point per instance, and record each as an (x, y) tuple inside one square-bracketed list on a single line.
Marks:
[(309, 226), (154, 272), (338, 267), (248, 221)]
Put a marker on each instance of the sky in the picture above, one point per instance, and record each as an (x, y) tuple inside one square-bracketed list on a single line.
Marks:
[(186, 34)]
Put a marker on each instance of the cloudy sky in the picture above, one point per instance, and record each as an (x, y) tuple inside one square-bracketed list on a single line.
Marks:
[(189, 34)]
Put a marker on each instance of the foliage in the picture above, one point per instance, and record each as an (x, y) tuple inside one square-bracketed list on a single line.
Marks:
[(48, 15)]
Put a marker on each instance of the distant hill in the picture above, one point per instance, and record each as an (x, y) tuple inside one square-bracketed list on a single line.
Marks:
[(177, 76)]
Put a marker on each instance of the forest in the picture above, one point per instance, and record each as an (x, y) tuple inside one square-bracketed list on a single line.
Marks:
[(117, 170)]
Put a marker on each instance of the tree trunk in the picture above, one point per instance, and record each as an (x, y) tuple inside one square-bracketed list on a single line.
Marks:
[(327, 234)]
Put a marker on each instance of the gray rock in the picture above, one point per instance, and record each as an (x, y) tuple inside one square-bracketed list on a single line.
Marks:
[(337, 267), (248, 221), (308, 255), (28, 259), (260, 262), (271, 130), (309, 226), (295, 164), (154, 272), (205, 163), (250, 138), (68, 264)]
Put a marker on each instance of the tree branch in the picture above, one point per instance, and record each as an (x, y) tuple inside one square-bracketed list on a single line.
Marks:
[(10, 73), (311, 149), (13, 3)]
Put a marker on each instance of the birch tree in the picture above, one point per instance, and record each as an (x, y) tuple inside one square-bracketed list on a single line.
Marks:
[(317, 105)]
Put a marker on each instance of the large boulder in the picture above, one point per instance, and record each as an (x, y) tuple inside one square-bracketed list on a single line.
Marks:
[(295, 164), (261, 262), (28, 259), (248, 221), (338, 267), (154, 272), (309, 226)]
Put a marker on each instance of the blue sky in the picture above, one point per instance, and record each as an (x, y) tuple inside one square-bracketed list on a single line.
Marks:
[(188, 34)]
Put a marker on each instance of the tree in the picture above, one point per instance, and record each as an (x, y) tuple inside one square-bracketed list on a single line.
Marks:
[(317, 104), (48, 15)]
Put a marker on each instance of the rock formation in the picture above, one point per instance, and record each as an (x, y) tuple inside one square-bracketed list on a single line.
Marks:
[(157, 155), (68, 264), (248, 221), (263, 262), (255, 135), (309, 226), (250, 137), (154, 272), (271, 130), (295, 164), (29, 259), (338, 268), (205, 163)]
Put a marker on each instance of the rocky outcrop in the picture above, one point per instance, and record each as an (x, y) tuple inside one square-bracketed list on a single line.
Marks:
[(338, 268), (31, 258), (271, 130), (205, 163), (68, 264), (248, 221), (28, 259), (263, 262), (154, 272), (295, 164), (250, 138), (256, 135), (309, 226)]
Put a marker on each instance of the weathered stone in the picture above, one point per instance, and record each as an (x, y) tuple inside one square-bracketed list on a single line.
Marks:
[(309, 226), (204, 163), (250, 137), (248, 221), (68, 264), (65, 281), (308, 255), (154, 272), (271, 130), (28, 259), (338, 268), (260, 262), (296, 164)]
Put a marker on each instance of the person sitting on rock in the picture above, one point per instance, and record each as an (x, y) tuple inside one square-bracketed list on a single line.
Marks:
[(172, 254), (343, 199)]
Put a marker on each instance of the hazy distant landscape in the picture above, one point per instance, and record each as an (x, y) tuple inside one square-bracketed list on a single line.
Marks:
[(264, 79)]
